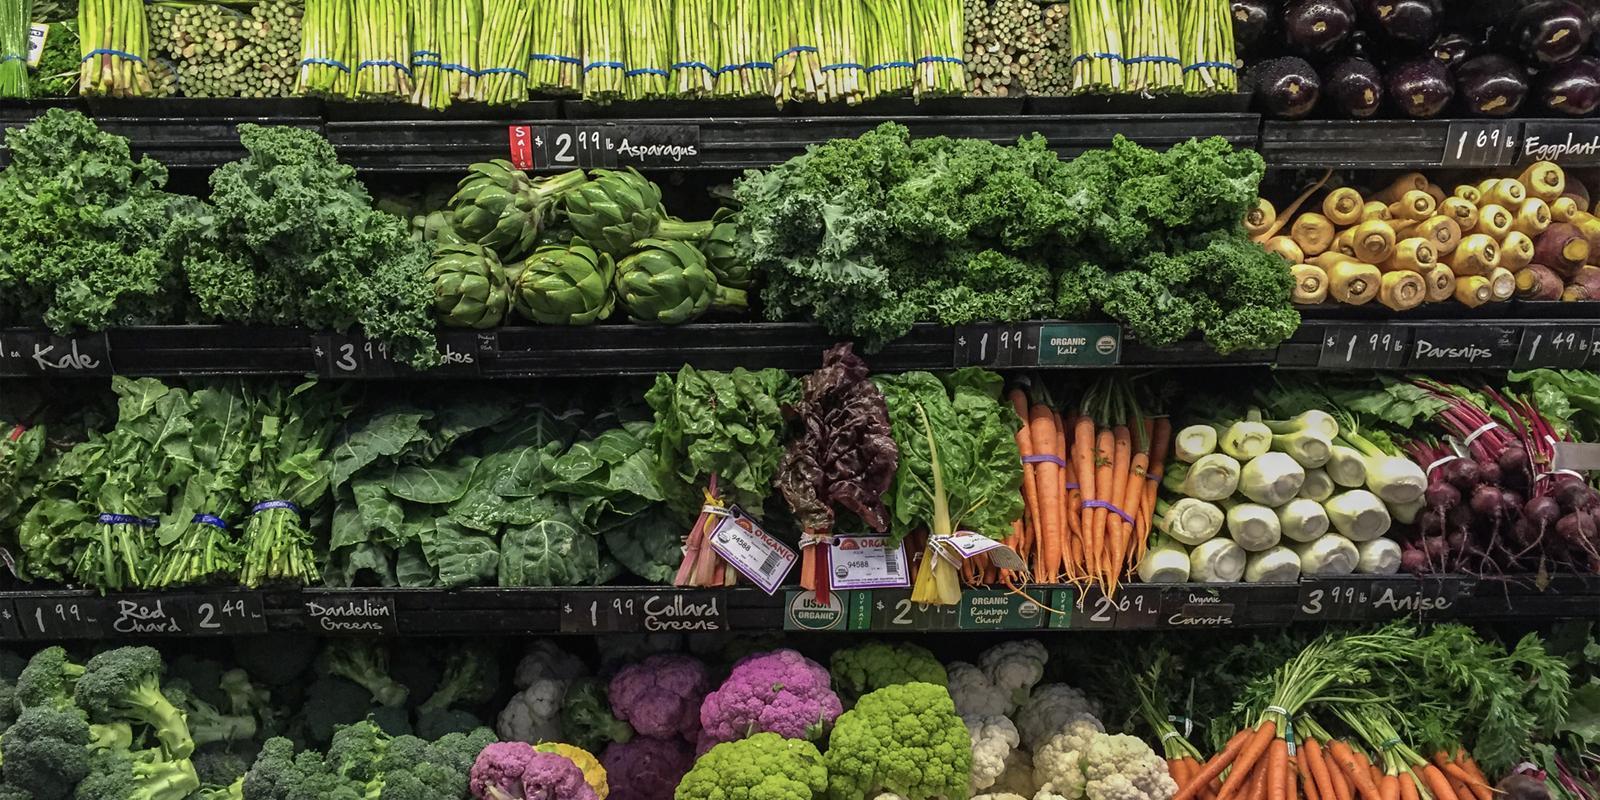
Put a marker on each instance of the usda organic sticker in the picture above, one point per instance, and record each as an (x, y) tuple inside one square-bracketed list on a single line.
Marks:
[(804, 612), (1079, 345)]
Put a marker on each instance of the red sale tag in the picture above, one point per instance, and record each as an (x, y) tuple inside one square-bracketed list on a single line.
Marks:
[(522, 146)]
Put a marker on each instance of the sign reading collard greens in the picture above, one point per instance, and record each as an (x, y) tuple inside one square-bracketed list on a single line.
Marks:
[(489, 491)]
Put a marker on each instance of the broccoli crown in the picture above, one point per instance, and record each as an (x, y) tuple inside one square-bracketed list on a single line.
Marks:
[(137, 775), (203, 676), (124, 685), (207, 724), (586, 718), (765, 766), (48, 680), (434, 724), (279, 774), (873, 665), (904, 739), (46, 752), (365, 663), (276, 659), (330, 703), (471, 676), (357, 751), (219, 766), (394, 720)]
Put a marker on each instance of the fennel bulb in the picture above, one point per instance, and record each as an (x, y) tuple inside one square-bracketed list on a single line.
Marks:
[(1378, 557), (1253, 527), (1318, 486), (1330, 554), (1302, 519), (1273, 565), (1271, 479), (1358, 515), (1193, 442), (1216, 561), (1190, 521)]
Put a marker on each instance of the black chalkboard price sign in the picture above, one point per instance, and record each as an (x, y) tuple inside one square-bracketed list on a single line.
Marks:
[(1480, 144), (10, 622), (351, 355), (600, 612), (62, 617), (351, 614), (234, 614), (1464, 347), (1554, 347), (1363, 347)]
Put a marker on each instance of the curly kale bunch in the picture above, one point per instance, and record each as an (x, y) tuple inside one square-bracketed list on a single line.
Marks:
[(82, 229), (294, 240)]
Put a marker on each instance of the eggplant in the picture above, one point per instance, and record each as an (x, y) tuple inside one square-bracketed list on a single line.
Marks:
[(1254, 23), (1286, 87), (1571, 88), (1453, 48), (1421, 88), (1318, 27), (1492, 85), (1549, 31), (1354, 87), (1406, 24)]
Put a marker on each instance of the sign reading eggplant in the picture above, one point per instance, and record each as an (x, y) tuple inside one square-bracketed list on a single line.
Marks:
[(1570, 144)]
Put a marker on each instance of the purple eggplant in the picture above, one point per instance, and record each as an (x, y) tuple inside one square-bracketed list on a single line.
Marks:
[(1453, 48), (1571, 88), (1421, 88), (1492, 85), (1254, 23), (1405, 24), (1354, 87), (1286, 87), (1549, 31), (1318, 27)]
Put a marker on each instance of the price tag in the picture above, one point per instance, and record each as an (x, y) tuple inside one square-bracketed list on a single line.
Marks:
[(1001, 611), (1554, 347), (645, 146), (36, 353), (147, 615), (349, 355), (1380, 598), (600, 612), (528, 146), (1465, 347), (1570, 143), (804, 612), (62, 617), (594, 147), (1139, 607), (1363, 347), (752, 551), (997, 346), (367, 614), (226, 614), (1093, 611), (1480, 144), (867, 562), (1203, 608), (893, 610), (1333, 599), (1078, 345), (10, 621), (38, 34)]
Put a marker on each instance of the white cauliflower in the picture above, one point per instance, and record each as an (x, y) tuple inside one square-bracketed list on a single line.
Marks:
[(1058, 763), (1018, 777), (534, 714), (1049, 708), (1121, 767), (889, 796), (1000, 796), (1015, 667), (974, 694), (544, 660), (993, 738)]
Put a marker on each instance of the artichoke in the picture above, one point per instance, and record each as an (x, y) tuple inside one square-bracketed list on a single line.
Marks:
[(499, 206), (469, 286), (667, 281), (722, 256), (434, 228), (614, 210), (565, 285)]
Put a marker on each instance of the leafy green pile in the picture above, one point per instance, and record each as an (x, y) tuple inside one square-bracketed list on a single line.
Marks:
[(294, 240), (83, 229), (870, 235)]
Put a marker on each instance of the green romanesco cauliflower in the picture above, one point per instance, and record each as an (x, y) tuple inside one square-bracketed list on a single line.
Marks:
[(765, 766), (905, 739), (874, 665), (1122, 767)]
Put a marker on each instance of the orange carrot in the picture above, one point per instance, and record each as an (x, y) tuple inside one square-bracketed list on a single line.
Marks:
[(1458, 773), (1261, 784), (1083, 469), (1469, 764), (1311, 752), (1438, 786), (1252, 753), (1359, 774), (1060, 451), (1308, 781), (1160, 444), (1105, 484), (1131, 494), (1341, 783), (1215, 766), (1042, 426), (1030, 486), (1277, 769), (1176, 769), (1389, 787), (1408, 787)]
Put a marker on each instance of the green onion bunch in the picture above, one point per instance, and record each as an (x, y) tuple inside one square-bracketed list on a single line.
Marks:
[(797, 71), (938, 38), (840, 25), (1097, 49), (693, 74), (604, 51), (114, 42), (382, 49), (555, 64), (1150, 30), (744, 67), (886, 48), (15, 18), (503, 51), (325, 49), (1205, 43), (648, 49)]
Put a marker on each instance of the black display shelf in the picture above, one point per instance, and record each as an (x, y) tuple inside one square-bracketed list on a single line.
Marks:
[(61, 615), (1473, 144)]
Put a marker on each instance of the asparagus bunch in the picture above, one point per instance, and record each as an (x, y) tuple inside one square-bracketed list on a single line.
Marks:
[(503, 52), (1150, 29), (555, 65), (1097, 50), (937, 40), (163, 76), (1205, 45), (15, 17), (797, 71), (428, 88), (695, 49), (382, 49), (221, 52), (744, 66), (325, 49), (458, 26), (886, 47), (115, 46), (604, 51), (839, 23), (271, 40), (647, 49)]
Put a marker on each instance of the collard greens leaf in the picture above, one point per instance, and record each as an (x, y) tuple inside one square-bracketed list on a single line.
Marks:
[(378, 437), (553, 551), (432, 484), (649, 545), (460, 556)]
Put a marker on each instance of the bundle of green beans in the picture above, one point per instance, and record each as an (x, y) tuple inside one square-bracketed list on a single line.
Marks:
[(797, 71), (839, 27), (428, 88), (1097, 49), (743, 52), (503, 52), (648, 49), (382, 49), (114, 43), (1150, 30), (886, 48), (555, 64), (694, 48), (938, 37), (1206, 47), (326, 49), (15, 18)]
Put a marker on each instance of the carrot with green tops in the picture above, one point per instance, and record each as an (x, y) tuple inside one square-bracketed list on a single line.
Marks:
[(1131, 495), (1105, 483), (1308, 782), (1213, 768), (1042, 425), (1437, 785), (1277, 769), (1083, 466), (1060, 451), (1253, 751), (1261, 784), (1030, 486), (1341, 783), (1359, 773), (1311, 753), (1116, 543), (1389, 787), (1408, 787), (1457, 772)]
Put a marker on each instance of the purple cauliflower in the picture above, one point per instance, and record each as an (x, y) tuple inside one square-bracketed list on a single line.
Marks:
[(646, 768), (498, 771), (660, 696), (779, 692), (555, 777)]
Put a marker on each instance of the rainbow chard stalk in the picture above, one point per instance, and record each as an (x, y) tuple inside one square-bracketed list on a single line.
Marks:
[(555, 65), (692, 73), (1206, 47)]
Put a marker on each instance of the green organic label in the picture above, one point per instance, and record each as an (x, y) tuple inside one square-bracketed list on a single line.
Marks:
[(985, 610), (804, 612), (1079, 345), (1061, 600)]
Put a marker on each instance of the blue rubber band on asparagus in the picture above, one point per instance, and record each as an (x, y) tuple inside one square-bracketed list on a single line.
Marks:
[(107, 51)]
